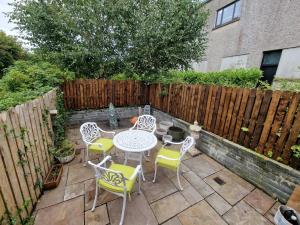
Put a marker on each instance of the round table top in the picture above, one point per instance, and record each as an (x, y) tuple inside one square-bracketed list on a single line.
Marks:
[(135, 140)]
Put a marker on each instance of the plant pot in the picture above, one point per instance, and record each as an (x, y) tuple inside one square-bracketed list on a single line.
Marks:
[(66, 159), (160, 133), (165, 125), (177, 133), (53, 177), (279, 217)]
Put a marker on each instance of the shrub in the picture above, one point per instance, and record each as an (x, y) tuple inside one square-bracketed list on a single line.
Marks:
[(232, 78), (248, 78), (26, 80), (10, 50)]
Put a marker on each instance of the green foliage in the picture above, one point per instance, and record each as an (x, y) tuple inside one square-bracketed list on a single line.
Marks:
[(104, 37), (10, 50), (26, 80), (247, 78), (287, 85), (270, 153), (60, 120), (245, 129), (66, 148), (296, 151)]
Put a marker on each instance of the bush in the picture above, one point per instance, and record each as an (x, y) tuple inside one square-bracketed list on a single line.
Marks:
[(287, 85), (10, 50), (248, 78), (26, 80)]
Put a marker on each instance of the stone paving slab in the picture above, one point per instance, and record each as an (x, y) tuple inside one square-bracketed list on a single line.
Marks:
[(203, 188), (218, 203), (169, 206), (243, 214), (173, 221), (188, 192), (201, 214), (233, 190), (260, 201), (161, 188), (202, 166), (271, 213), (74, 190), (50, 198), (68, 212), (79, 173), (138, 211), (98, 217)]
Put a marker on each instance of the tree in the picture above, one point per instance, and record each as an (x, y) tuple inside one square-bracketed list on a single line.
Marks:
[(104, 37), (10, 50)]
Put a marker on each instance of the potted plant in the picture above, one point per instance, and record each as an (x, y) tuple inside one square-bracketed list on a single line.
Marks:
[(65, 153), (295, 159), (53, 177)]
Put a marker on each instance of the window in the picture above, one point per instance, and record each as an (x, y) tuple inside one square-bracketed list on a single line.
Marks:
[(228, 13), (269, 65)]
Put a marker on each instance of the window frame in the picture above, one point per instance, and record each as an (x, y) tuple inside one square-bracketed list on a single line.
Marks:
[(233, 19)]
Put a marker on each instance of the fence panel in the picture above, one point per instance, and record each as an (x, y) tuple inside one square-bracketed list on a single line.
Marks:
[(25, 136)]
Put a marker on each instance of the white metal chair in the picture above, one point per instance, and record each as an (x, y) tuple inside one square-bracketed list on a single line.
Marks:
[(171, 159), (91, 135), (147, 123), (117, 179)]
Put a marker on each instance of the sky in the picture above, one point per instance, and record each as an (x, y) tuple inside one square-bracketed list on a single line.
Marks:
[(4, 24)]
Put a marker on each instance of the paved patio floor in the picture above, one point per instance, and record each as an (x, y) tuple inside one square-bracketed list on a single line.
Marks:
[(212, 195)]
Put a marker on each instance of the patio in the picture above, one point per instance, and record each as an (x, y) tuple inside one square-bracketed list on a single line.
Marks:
[(212, 195)]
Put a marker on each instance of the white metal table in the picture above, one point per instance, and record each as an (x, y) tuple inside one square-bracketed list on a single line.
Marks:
[(134, 143)]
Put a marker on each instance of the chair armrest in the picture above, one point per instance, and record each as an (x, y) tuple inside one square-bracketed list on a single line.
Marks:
[(107, 158), (136, 171), (165, 157), (108, 132), (172, 143)]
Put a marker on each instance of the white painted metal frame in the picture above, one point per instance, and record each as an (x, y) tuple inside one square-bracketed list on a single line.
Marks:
[(147, 123), (186, 145), (90, 132), (114, 178), (134, 143)]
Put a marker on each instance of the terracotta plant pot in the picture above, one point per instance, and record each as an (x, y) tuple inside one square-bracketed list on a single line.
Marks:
[(133, 120), (176, 133), (53, 177)]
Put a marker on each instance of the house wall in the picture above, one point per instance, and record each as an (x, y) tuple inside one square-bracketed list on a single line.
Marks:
[(263, 26)]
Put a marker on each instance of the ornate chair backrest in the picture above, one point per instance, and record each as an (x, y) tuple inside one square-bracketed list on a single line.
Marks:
[(111, 177), (89, 132), (187, 144), (146, 122)]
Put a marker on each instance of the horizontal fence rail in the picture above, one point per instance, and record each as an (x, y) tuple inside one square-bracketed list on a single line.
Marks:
[(265, 121), (25, 137)]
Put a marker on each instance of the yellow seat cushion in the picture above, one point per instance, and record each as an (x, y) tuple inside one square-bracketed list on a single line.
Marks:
[(107, 145), (170, 164), (127, 171)]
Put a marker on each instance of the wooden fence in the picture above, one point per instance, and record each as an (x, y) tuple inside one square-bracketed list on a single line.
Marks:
[(263, 120), (93, 94), (25, 137)]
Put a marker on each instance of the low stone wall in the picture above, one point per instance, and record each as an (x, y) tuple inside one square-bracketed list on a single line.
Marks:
[(274, 178), (82, 116)]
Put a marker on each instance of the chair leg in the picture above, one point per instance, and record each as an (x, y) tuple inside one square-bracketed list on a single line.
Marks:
[(155, 173), (123, 210), (104, 155), (178, 178), (148, 153), (86, 156), (96, 196), (139, 182)]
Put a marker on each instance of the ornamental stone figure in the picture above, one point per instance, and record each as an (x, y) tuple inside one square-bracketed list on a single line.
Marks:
[(113, 120)]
